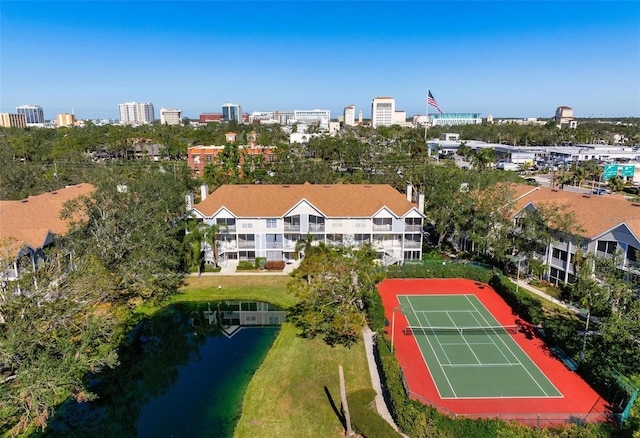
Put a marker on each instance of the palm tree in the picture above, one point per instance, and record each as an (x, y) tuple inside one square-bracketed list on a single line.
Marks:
[(211, 233), (193, 241), (308, 248)]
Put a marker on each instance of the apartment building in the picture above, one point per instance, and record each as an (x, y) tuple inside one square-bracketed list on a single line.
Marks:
[(200, 156), (30, 225), (136, 113), (609, 224), (268, 220)]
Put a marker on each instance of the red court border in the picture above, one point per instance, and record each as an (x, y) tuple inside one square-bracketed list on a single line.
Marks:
[(578, 396)]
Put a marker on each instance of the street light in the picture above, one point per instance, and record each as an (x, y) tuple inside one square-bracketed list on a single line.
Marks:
[(393, 322)]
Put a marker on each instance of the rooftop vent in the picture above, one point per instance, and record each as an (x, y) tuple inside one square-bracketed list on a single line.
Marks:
[(285, 187)]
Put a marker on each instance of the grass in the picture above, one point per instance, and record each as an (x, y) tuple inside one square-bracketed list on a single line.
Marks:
[(293, 391), (267, 288)]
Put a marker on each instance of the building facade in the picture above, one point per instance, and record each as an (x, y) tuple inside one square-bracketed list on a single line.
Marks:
[(268, 220), (170, 116), (33, 114), (136, 113), (382, 111), (65, 119), (232, 112), (200, 156), (452, 119), (350, 115), (312, 116), (9, 120)]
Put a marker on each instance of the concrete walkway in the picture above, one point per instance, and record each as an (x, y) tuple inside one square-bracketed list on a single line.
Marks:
[(381, 405), (523, 284)]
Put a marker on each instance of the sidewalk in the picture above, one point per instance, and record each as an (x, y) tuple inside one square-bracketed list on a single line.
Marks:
[(381, 406), (523, 284)]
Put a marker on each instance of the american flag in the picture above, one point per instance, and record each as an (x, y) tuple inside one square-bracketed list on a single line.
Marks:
[(432, 101)]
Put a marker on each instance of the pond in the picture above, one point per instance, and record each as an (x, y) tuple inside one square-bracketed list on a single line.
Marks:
[(183, 373)]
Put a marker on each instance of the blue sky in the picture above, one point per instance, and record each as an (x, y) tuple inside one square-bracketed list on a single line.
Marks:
[(506, 58)]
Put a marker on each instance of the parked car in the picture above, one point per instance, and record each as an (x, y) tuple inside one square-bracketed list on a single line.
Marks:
[(600, 191)]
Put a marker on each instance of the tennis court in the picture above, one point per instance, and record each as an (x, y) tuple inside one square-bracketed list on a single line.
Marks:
[(468, 352)]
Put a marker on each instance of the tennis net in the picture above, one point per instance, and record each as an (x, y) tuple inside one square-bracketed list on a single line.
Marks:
[(410, 329)]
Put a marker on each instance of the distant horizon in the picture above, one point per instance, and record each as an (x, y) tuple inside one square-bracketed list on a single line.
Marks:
[(508, 59)]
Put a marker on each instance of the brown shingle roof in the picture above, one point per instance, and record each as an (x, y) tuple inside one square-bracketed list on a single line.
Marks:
[(29, 221), (335, 200), (594, 214)]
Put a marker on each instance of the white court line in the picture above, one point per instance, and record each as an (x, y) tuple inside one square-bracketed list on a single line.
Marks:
[(434, 355), (514, 355), (465, 340)]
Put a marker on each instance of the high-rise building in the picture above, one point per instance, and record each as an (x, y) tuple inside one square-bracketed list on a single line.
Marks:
[(170, 116), (65, 119), (350, 115), (232, 112), (382, 111), (33, 113), (8, 120), (136, 113)]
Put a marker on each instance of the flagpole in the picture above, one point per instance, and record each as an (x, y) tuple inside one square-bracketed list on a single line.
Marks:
[(426, 126)]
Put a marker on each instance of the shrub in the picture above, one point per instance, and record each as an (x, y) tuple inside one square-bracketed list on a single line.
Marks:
[(276, 265), (246, 265), (528, 307)]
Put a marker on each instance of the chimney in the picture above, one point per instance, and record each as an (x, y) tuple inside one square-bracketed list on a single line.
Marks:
[(204, 191), (409, 192), (188, 198), (421, 202)]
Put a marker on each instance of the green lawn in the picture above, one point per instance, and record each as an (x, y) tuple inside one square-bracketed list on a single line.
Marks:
[(291, 393)]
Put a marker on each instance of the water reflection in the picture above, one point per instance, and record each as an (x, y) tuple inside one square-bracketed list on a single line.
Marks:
[(178, 375)]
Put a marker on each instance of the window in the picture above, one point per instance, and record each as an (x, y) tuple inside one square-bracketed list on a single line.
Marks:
[(272, 223), (607, 246), (246, 225), (337, 223), (559, 254), (361, 223)]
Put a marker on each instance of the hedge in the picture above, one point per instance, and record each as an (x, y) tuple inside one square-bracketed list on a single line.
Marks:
[(364, 419), (528, 307)]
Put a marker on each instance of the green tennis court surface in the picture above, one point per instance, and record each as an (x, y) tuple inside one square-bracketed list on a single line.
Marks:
[(467, 352)]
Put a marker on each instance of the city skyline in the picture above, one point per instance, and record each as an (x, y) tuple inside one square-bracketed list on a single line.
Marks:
[(508, 59)]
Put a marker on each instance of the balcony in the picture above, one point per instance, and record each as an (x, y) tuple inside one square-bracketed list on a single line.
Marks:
[(227, 229), (274, 245), (412, 244), (315, 228), (382, 227), (558, 263), (412, 228), (246, 244), (292, 227)]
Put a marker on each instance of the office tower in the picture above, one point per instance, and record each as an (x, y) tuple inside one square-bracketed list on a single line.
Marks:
[(136, 113), (382, 111), (33, 113), (232, 112), (350, 115), (170, 116)]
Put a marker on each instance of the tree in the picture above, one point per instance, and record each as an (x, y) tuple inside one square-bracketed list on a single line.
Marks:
[(334, 288), (56, 327), (130, 223)]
